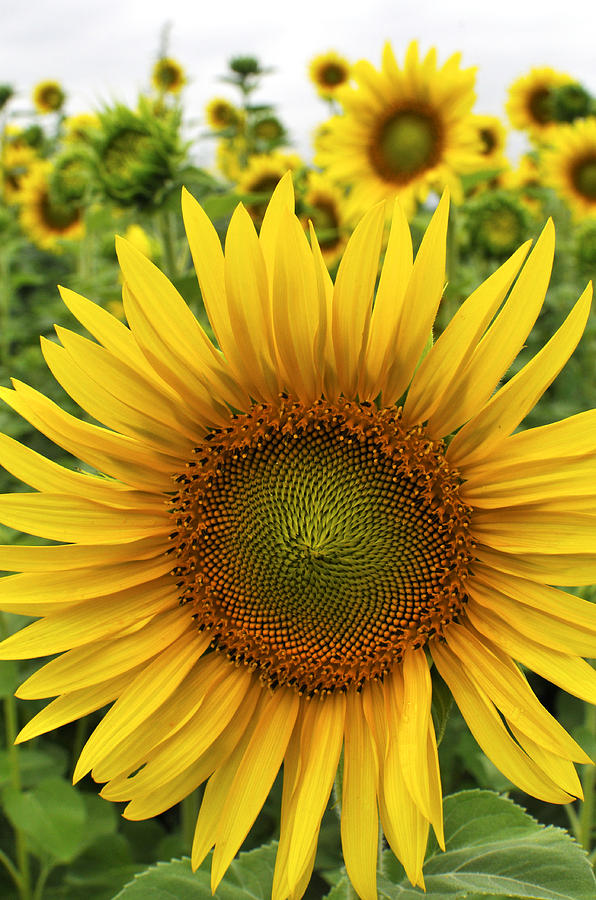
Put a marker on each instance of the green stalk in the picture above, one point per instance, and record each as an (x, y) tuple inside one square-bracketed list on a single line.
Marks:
[(586, 816), (167, 240), (10, 719), (189, 812)]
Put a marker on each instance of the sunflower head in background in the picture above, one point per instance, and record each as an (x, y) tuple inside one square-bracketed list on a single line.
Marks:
[(405, 131), (138, 153), (168, 76), (570, 166), (221, 114), (492, 138), (44, 217), (496, 223), (329, 72), (48, 97), (261, 176), (287, 526), (324, 205), (530, 102)]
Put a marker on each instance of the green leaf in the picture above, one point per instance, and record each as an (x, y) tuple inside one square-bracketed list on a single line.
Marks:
[(495, 849), (250, 877), (34, 765), (52, 816)]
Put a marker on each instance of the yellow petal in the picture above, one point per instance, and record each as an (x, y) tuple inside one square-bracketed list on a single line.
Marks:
[(570, 482), (502, 342), (421, 301), (541, 627), (502, 414), (320, 747), (106, 659), (21, 558), (388, 307), (546, 568), (295, 311), (353, 296), (535, 529), (281, 203), (574, 675), (114, 454), (36, 595), (450, 354), (485, 724), (70, 518), (76, 705), (149, 690), (254, 777), (323, 354), (249, 307), (359, 816), (562, 771), (510, 692)]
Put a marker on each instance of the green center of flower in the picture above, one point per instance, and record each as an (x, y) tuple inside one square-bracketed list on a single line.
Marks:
[(331, 75), (318, 544), (584, 178), (406, 144), (123, 150), (540, 106), (57, 216)]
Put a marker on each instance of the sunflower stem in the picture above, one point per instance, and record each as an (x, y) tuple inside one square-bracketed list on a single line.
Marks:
[(10, 721), (586, 816), (167, 240), (189, 812)]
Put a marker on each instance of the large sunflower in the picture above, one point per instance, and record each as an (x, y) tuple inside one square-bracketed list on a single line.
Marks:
[(285, 532), (570, 166), (529, 105), (404, 132)]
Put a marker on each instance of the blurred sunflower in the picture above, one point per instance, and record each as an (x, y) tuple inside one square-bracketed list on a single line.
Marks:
[(529, 105), (261, 176), (324, 205), (221, 114), (79, 128), (278, 543), (16, 160), (48, 97), (492, 138), (496, 223), (405, 131), (168, 76), (329, 72), (45, 219), (570, 166)]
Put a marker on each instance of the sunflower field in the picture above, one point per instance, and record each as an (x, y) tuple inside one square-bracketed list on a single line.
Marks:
[(298, 504)]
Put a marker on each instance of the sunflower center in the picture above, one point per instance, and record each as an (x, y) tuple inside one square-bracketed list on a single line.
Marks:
[(408, 142), (332, 75), (123, 150), (488, 140), (584, 177), (540, 106), (318, 544)]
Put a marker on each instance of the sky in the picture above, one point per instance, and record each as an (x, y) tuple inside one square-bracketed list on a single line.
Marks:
[(103, 50)]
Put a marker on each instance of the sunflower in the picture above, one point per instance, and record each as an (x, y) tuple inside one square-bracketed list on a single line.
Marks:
[(222, 114), (492, 138), (43, 218), (48, 97), (570, 166), (324, 206), (168, 76), (405, 131), (261, 176), (530, 106), (79, 128), (329, 72), (496, 223), (16, 160), (284, 533)]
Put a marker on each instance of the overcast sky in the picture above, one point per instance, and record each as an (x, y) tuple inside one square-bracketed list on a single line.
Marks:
[(103, 49)]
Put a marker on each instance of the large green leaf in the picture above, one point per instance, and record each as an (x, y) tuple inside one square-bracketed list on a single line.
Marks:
[(495, 849), (250, 877)]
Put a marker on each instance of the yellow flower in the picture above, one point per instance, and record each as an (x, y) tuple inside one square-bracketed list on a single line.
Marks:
[(329, 72), (324, 204), (16, 160), (492, 138), (570, 167), (168, 76), (140, 240), (44, 220), (80, 127), (261, 176), (405, 131), (221, 114), (48, 96), (529, 104), (278, 543)]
